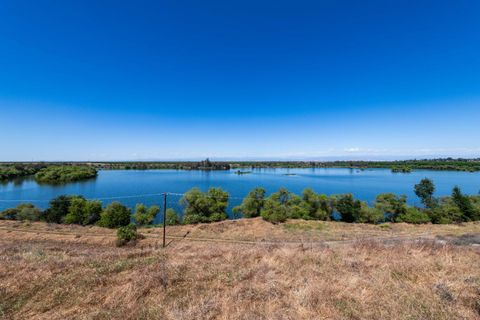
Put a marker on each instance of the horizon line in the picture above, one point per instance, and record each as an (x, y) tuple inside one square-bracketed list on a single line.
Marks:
[(260, 159)]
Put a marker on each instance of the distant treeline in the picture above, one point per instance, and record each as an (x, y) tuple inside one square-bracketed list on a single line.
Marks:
[(212, 206), (13, 170), (396, 166), (446, 164), (177, 165)]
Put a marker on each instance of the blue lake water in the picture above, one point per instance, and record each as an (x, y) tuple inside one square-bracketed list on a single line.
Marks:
[(132, 184)]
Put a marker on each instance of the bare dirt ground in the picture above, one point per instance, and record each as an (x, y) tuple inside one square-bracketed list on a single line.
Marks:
[(246, 269)]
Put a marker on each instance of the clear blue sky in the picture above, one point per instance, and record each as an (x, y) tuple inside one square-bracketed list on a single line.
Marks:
[(133, 80)]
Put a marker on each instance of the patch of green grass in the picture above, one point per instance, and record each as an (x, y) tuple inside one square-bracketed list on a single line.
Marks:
[(115, 267), (346, 307), (35, 255), (385, 226), (313, 226)]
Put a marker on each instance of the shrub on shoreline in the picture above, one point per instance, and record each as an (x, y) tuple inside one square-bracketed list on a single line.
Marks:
[(144, 215), (115, 215), (207, 206), (24, 211), (211, 206), (172, 218), (252, 204), (83, 211)]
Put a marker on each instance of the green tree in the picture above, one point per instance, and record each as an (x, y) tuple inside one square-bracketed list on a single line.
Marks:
[(8, 214), (369, 214), (204, 206), (424, 190), (391, 204), (115, 215), (58, 209), (318, 205), (282, 205), (446, 211), (282, 196), (82, 211), (145, 216), (252, 204), (476, 201), (94, 210), (77, 211), (288, 205), (348, 207), (463, 202), (172, 218), (414, 215), (299, 209), (273, 211), (27, 211)]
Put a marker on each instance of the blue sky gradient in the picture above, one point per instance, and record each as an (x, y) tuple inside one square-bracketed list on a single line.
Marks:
[(162, 80)]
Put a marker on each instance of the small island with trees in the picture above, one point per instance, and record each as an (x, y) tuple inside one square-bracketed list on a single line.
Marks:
[(47, 173), (64, 174)]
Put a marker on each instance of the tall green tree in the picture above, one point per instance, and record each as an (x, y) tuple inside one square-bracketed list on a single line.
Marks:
[(82, 211), (172, 217), (463, 202), (58, 209), (144, 215), (273, 211), (77, 211), (27, 211), (424, 190), (391, 205), (282, 205), (318, 205), (414, 215), (204, 206), (252, 204), (93, 212), (369, 214), (446, 211), (348, 207), (115, 215)]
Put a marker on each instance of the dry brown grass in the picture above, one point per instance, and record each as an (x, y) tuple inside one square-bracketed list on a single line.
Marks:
[(257, 230), (60, 272)]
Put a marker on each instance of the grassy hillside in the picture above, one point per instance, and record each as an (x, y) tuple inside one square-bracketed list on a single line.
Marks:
[(235, 270)]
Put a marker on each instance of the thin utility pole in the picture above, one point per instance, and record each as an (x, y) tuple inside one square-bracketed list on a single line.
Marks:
[(164, 216)]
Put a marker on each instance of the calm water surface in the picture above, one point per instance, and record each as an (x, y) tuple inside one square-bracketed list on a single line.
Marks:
[(364, 184)]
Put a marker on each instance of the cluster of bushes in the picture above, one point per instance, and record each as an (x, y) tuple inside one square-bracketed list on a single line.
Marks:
[(78, 210), (24, 211), (64, 174), (212, 206), (284, 205), (207, 206)]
